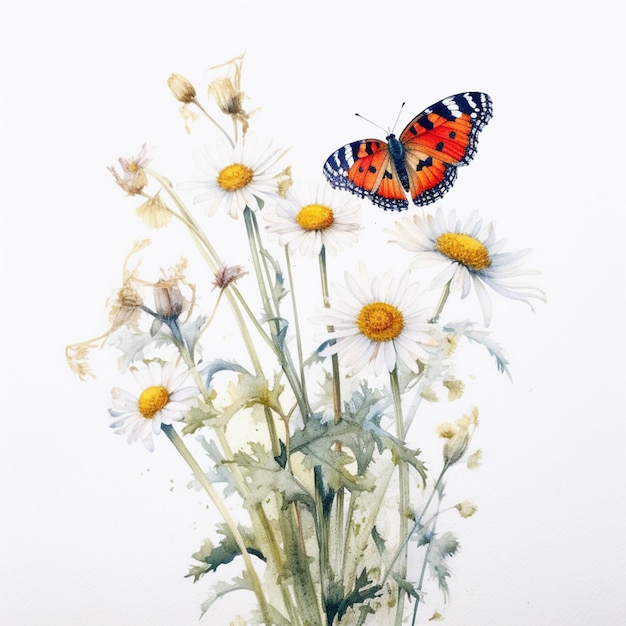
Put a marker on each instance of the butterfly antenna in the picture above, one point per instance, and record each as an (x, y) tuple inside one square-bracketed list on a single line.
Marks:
[(398, 117), (373, 123)]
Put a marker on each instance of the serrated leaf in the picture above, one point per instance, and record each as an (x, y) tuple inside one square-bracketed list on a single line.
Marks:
[(222, 588), (442, 548), (482, 337), (317, 442), (212, 556), (409, 588), (265, 476), (218, 473), (337, 604), (200, 416)]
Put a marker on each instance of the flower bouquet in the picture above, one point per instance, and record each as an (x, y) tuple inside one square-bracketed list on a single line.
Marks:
[(300, 430)]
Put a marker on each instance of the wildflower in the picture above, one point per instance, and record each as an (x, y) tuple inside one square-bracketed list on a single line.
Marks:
[(226, 275), (327, 218), (162, 400), (470, 255), (239, 176), (181, 88), (377, 322), (168, 299), (458, 436), (228, 94), (133, 178), (154, 212), (466, 508)]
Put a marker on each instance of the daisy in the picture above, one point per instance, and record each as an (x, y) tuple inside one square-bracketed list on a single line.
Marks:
[(244, 175), (376, 322), (470, 255), (311, 218), (162, 400)]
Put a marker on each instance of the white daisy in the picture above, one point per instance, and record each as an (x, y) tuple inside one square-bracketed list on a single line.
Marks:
[(310, 218), (470, 254), (162, 400), (377, 322), (239, 176)]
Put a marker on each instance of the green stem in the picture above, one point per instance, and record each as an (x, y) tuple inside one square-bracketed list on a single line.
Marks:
[(442, 301), (296, 320), (334, 358), (403, 481), (226, 516), (420, 582), (232, 143), (417, 524), (272, 315)]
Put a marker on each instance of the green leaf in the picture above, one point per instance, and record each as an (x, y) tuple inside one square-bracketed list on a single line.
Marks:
[(337, 604), (441, 549), (317, 442), (379, 542), (220, 589), (466, 329), (409, 588), (266, 475), (200, 416), (211, 556)]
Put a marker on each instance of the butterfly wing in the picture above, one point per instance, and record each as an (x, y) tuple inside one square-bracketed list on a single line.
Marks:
[(366, 169), (441, 138)]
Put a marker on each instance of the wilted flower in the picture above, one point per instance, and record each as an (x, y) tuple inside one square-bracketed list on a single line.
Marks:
[(133, 179), (154, 212), (228, 94), (182, 89), (458, 436), (466, 508), (227, 274), (168, 299)]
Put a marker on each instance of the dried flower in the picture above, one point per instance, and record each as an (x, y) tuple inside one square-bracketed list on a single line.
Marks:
[(154, 212), (458, 436), (228, 94), (466, 508), (168, 299), (227, 274), (133, 179), (182, 89)]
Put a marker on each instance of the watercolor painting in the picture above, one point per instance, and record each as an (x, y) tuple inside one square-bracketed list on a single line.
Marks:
[(303, 367)]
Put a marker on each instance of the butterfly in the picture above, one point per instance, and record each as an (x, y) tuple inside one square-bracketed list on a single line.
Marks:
[(422, 162)]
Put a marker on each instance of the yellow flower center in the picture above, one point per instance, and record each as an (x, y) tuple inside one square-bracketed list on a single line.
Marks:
[(235, 176), (151, 400), (464, 249), (133, 167), (315, 217), (380, 321)]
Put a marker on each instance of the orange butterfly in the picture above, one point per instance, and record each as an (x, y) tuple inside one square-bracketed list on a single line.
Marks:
[(421, 162)]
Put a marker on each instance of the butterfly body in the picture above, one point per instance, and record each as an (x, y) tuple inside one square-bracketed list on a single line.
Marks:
[(422, 162)]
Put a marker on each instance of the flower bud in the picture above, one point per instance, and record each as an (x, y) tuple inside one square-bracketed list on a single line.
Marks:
[(456, 446), (168, 299), (181, 88)]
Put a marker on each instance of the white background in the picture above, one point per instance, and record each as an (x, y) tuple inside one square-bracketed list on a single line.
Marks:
[(96, 532)]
